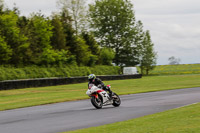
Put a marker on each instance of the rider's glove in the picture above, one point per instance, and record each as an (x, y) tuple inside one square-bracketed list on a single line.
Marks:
[(99, 86)]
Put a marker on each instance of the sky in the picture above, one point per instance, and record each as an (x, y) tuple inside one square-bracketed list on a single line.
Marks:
[(174, 25)]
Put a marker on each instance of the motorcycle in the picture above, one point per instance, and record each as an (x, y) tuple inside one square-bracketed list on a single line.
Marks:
[(100, 97)]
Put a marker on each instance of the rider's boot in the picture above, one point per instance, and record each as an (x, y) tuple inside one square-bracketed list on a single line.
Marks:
[(110, 93)]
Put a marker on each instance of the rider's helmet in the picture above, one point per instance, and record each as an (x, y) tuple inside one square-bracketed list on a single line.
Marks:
[(91, 77)]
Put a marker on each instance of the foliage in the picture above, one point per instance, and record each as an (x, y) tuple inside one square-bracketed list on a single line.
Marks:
[(50, 57), (13, 37), (58, 40), (5, 51), (92, 60), (82, 52), (39, 34), (76, 9), (1, 6), (148, 58), (94, 47), (91, 42), (106, 56), (174, 61), (131, 54), (138, 41), (113, 22), (76, 45), (128, 56)]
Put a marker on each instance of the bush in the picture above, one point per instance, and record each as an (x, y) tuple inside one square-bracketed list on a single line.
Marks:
[(106, 56)]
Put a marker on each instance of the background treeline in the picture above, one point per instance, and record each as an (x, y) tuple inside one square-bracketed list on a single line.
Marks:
[(106, 33), (44, 41)]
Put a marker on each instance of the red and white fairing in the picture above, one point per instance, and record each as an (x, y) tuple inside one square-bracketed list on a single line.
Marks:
[(94, 90)]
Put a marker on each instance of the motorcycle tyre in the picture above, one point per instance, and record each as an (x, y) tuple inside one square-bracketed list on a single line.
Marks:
[(116, 103), (95, 104)]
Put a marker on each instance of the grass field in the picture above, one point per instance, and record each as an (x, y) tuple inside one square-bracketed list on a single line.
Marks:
[(176, 69), (12, 99), (181, 120)]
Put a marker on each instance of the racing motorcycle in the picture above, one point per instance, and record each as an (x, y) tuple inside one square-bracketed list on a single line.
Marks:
[(100, 97)]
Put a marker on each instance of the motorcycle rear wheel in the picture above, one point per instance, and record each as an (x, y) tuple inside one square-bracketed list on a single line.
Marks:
[(96, 102)]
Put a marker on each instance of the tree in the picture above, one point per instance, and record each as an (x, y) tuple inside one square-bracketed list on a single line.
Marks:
[(129, 54), (22, 24), (42, 51), (55, 57), (174, 61), (1, 6), (58, 40), (13, 37), (75, 9), (138, 40), (75, 44), (106, 56), (68, 31), (113, 24), (81, 52), (5, 52), (39, 34), (92, 43), (148, 58), (93, 47)]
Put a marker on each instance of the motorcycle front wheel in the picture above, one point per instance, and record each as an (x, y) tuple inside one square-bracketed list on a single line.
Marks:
[(116, 100), (96, 102)]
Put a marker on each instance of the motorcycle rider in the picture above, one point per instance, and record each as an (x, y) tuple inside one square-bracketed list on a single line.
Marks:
[(97, 82)]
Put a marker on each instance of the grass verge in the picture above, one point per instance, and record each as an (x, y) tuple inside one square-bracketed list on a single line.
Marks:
[(12, 99), (176, 69), (180, 120)]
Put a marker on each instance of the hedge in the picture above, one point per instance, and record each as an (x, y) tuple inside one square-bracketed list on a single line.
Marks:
[(12, 73)]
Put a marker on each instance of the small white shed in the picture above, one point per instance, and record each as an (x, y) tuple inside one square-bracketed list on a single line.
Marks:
[(130, 70)]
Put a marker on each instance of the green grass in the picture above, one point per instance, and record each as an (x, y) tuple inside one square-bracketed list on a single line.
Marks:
[(12, 99), (181, 120), (176, 69)]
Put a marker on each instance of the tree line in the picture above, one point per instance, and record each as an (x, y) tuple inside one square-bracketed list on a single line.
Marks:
[(103, 33)]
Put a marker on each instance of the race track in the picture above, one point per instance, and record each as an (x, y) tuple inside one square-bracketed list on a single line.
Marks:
[(74, 115)]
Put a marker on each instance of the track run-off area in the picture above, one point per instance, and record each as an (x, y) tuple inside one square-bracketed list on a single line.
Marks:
[(74, 115)]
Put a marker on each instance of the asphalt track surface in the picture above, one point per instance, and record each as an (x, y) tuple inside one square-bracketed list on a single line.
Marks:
[(74, 115)]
